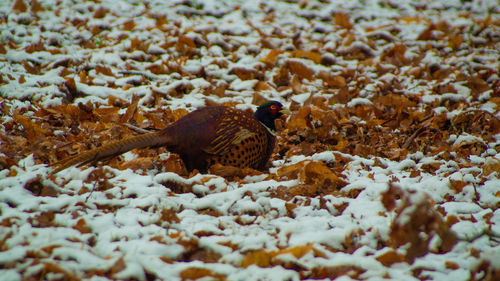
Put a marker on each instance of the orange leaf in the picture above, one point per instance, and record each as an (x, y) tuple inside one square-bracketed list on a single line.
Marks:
[(178, 113), (83, 77), (299, 120), (103, 70), (331, 80), (128, 25), (131, 109), (33, 130), (57, 269), (193, 273), (290, 171), (318, 173), (297, 251), (451, 265), (118, 266), (314, 56), (390, 258), (457, 185), (271, 57), (342, 19), (260, 258), (300, 69)]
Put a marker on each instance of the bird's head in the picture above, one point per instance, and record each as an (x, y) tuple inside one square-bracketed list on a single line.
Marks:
[(268, 112)]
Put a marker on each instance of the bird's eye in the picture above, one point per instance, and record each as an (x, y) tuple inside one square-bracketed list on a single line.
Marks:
[(274, 108)]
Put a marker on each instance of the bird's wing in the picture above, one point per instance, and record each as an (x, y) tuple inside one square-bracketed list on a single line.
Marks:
[(228, 133)]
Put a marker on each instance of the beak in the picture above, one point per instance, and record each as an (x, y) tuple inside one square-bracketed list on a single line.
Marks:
[(285, 112)]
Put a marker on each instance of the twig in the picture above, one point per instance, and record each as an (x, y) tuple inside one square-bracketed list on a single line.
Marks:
[(135, 128)]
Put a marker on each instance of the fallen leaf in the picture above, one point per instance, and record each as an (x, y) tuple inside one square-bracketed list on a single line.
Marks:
[(19, 6), (300, 69), (390, 258), (81, 225)]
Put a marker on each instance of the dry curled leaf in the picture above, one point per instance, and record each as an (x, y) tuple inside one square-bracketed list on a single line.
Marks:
[(416, 222)]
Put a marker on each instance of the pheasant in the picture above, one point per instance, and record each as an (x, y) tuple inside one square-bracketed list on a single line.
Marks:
[(213, 134)]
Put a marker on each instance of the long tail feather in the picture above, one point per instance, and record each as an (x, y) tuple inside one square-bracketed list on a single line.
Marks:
[(111, 149)]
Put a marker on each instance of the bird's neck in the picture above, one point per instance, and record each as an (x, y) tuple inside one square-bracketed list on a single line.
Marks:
[(271, 131)]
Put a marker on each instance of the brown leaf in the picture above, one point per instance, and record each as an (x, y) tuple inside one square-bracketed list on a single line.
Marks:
[(37, 187), (186, 46), (458, 185), (300, 69), (271, 57), (390, 258), (50, 248), (178, 113), (335, 81), (246, 73), (314, 56), (297, 251), (84, 79), (232, 173), (260, 258), (318, 178), (491, 165), (129, 25), (33, 130), (169, 215), (394, 100), (118, 266), (318, 173), (390, 196), (415, 224), (193, 273), (19, 6), (451, 265), (34, 47), (45, 219), (3, 51), (332, 272), (36, 7), (299, 120), (395, 55), (53, 269), (81, 225), (342, 19), (107, 114), (101, 12), (104, 70), (258, 99), (427, 33), (131, 109)]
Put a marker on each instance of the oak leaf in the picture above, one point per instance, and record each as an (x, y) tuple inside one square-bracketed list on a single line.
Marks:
[(300, 69), (81, 225), (390, 258), (33, 130), (19, 6)]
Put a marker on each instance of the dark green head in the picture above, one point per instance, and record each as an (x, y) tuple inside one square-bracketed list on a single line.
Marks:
[(268, 112)]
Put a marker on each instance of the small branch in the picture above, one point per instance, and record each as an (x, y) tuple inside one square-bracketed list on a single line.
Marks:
[(135, 128)]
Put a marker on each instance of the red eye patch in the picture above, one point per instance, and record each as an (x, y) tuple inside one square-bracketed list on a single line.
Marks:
[(274, 109)]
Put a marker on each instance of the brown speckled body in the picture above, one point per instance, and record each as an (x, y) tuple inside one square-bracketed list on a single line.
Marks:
[(222, 135), (215, 134)]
